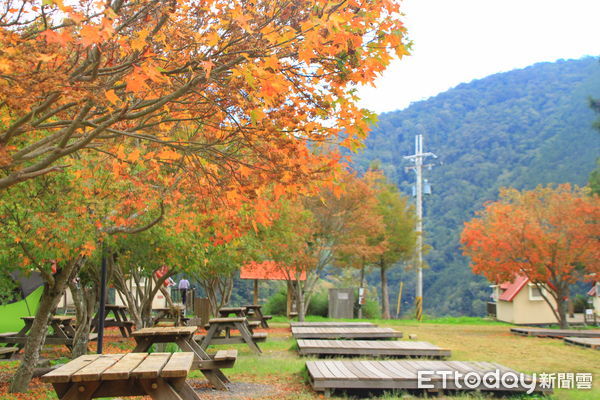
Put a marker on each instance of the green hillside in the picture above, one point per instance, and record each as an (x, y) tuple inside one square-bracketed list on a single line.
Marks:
[(520, 128)]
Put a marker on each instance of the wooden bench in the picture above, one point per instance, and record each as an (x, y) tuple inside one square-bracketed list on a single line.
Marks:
[(158, 375), (222, 359), (8, 352)]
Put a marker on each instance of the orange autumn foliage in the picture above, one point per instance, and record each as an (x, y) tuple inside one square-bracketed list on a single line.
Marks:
[(214, 85), (550, 235)]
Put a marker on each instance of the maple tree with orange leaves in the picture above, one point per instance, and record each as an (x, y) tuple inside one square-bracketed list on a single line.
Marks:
[(216, 86), (117, 116), (549, 235), (340, 224)]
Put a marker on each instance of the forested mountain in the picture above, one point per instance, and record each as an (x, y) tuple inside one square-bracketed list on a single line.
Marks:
[(520, 128)]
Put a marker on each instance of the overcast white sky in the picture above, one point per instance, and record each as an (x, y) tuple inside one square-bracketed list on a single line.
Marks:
[(460, 40)]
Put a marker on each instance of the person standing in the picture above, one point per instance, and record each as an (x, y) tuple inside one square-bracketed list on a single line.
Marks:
[(183, 287)]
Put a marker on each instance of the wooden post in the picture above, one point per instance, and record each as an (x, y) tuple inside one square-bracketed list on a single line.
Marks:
[(256, 291), (399, 300)]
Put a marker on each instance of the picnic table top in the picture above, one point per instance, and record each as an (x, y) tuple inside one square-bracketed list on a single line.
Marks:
[(115, 307), (107, 367), (166, 330), (231, 309), (54, 318), (175, 307), (226, 320), (254, 306)]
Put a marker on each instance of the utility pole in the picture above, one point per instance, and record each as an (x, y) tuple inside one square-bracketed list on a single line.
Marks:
[(417, 166)]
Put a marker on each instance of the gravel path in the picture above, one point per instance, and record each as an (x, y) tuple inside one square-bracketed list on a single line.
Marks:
[(237, 390)]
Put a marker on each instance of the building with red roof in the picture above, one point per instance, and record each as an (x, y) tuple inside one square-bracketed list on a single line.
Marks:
[(521, 302), (594, 294)]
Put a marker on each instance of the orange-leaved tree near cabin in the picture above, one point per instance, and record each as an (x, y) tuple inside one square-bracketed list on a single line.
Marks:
[(208, 80), (549, 235)]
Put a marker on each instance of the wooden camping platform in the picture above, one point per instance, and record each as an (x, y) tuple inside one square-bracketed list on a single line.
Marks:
[(593, 343), (556, 333), (403, 375), (374, 348), (332, 324), (345, 333)]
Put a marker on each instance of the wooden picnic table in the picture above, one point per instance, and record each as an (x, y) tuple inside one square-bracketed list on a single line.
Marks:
[(158, 375), (62, 332), (254, 313), (225, 312), (120, 319), (220, 332), (183, 336), (174, 314)]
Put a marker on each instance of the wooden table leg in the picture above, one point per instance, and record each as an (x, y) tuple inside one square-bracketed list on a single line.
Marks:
[(69, 329), (119, 321), (59, 333), (214, 378), (160, 389), (217, 377), (209, 335), (263, 322), (76, 390), (124, 319), (22, 333), (185, 390), (142, 345), (247, 336), (190, 345)]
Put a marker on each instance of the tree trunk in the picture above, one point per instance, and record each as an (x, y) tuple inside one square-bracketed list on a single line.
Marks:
[(385, 300), (53, 292), (132, 305), (218, 291), (558, 294), (300, 303), (86, 302), (307, 289), (563, 296)]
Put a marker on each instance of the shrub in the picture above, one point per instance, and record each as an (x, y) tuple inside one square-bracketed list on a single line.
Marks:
[(319, 304), (371, 309), (277, 304)]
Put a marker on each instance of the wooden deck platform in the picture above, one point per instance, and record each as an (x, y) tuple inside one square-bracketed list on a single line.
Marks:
[(373, 348), (345, 333), (556, 333), (332, 324), (593, 343), (403, 375)]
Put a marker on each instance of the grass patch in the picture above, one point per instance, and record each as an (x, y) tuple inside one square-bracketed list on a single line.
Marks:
[(426, 320)]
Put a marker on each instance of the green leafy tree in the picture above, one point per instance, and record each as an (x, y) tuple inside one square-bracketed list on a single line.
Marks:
[(398, 240)]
